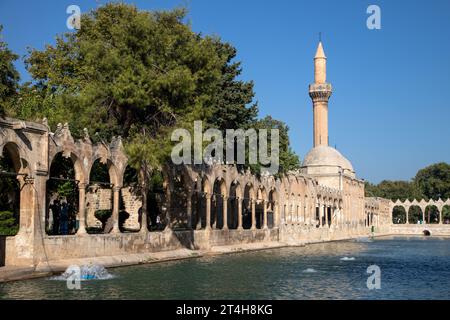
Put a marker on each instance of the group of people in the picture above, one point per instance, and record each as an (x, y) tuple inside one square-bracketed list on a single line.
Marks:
[(64, 218)]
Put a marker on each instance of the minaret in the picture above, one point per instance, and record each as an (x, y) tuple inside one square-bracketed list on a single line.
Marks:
[(320, 92)]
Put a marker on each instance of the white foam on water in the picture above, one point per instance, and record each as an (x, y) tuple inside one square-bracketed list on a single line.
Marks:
[(88, 272), (363, 239), (310, 270), (348, 259)]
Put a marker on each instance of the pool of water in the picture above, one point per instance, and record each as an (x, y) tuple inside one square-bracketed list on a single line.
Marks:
[(411, 268)]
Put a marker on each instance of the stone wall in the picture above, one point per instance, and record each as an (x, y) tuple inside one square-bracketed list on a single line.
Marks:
[(417, 229), (132, 203), (97, 198)]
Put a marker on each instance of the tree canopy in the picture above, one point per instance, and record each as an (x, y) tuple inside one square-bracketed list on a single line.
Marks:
[(139, 74), (432, 182), (9, 77)]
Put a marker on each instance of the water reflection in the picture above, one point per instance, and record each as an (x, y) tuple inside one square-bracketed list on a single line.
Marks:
[(412, 268)]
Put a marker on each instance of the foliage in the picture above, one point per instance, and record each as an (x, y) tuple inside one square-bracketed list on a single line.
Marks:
[(9, 77), (138, 74), (434, 181), (288, 160), (393, 190), (8, 224)]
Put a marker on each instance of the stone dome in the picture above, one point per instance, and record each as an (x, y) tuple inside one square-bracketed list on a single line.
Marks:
[(327, 157)]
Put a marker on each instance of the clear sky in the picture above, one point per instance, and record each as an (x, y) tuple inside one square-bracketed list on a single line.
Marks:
[(390, 110)]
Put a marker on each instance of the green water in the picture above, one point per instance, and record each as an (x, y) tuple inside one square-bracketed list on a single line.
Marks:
[(411, 268)]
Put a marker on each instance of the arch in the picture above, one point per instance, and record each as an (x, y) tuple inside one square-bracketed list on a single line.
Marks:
[(415, 214), (99, 196), (261, 206), (219, 196), (273, 214), (113, 173), (432, 214), (154, 201), (248, 206), (130, 204), (10, 165), (445, 214), (399, 215), (62, 195)]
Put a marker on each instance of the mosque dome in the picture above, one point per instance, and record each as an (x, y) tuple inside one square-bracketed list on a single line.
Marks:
[(326, 157)]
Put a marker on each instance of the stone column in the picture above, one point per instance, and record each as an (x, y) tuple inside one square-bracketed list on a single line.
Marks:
[(265, 214), (253, 214), (144, 210), (407, 214), (423, 216), (115, 211), (239, 213), (208, 211), (326, 216), (440, 215), (82, 208), (225, 212)]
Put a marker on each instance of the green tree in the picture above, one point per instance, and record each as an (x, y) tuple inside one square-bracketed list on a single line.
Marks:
[(140, 74), (288, 159), (9, 77), (137, 74), (434, 181), (394, 190)]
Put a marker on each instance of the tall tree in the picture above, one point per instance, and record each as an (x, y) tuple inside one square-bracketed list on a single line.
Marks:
[(9, 77)]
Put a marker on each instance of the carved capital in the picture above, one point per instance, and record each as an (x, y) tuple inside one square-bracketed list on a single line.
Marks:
[(320, 92)]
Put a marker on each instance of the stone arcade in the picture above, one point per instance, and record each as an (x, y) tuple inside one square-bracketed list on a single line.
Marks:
[(203, 206)]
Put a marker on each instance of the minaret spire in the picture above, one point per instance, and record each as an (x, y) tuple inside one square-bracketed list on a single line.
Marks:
[(320, 91)]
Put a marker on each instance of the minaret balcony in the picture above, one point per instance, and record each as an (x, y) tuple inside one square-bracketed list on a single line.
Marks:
[(320, 91)]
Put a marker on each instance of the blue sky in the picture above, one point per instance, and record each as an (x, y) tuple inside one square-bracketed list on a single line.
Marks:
[(389, 113)]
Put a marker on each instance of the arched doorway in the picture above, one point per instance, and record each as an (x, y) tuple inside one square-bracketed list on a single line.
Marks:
[(398, 215), (62, 197), (9, 192)]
